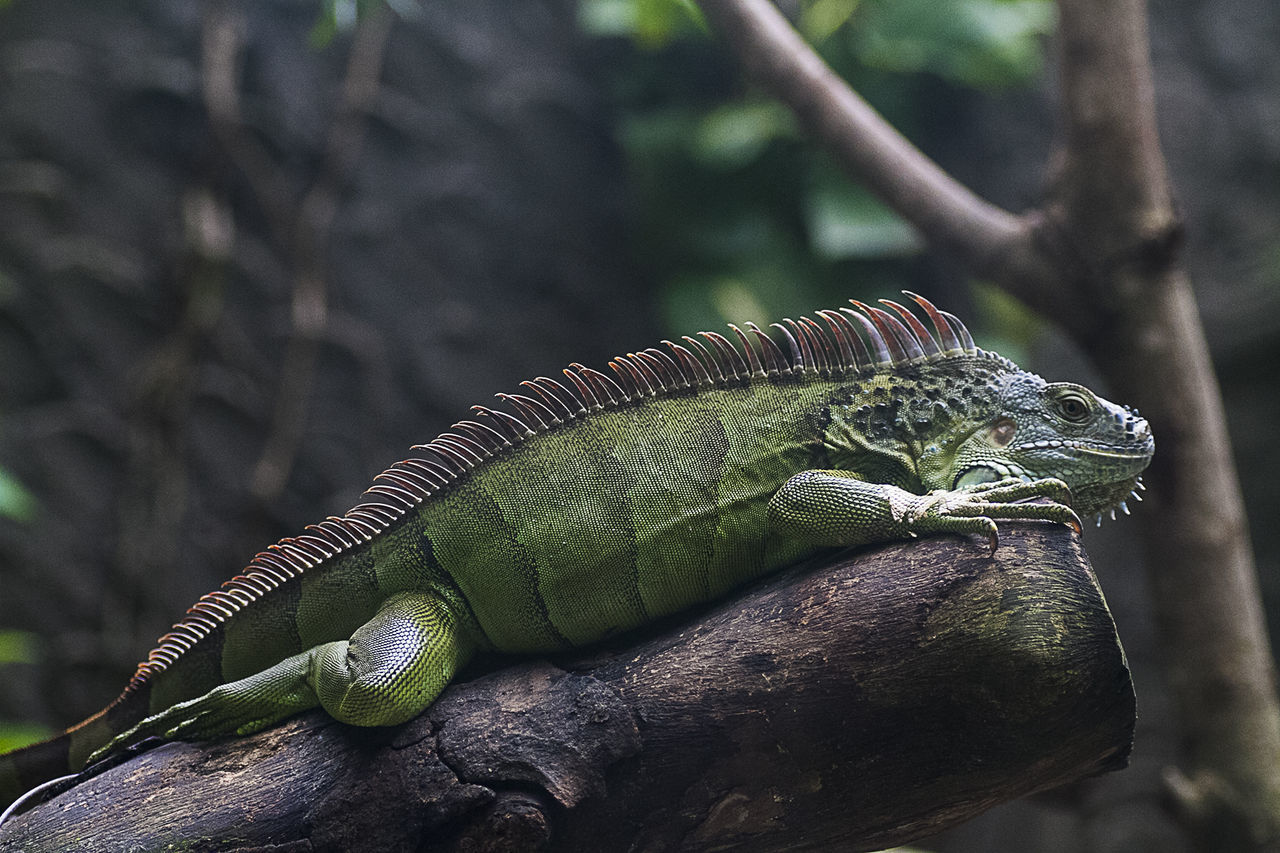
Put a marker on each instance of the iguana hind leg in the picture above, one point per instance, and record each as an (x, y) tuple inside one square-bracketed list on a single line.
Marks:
[(390, 669), (395, 665)]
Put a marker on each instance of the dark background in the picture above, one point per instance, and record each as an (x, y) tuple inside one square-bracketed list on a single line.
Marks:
[(216, 326)]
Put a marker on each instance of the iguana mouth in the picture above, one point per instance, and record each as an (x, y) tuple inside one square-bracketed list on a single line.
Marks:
[(1082, 447)]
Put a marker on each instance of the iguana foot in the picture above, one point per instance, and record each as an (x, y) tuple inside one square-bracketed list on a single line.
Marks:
[(236, 708), (836, 508), (389, 671), (974, 509)]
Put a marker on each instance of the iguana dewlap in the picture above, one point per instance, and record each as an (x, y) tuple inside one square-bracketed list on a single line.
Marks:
[(596, 503)]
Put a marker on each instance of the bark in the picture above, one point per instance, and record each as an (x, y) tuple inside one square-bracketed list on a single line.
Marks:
[(863, 703), (1116, 207), (1101, 258)]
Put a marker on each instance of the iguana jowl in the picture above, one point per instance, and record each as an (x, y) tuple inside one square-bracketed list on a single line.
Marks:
[(600, 502)]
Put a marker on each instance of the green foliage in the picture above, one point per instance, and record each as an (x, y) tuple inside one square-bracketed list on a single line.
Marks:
[(15, 501), (736, 211), (19, 647), (847, 221), (986, 44), (335, 16), (651, 23), (1012, 327), (340, 16), (15, 735)]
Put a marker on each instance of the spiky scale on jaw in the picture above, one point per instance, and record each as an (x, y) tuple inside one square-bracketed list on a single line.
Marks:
[(593, 504)]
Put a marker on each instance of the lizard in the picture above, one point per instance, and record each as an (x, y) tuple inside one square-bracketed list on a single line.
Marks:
[(590, 505)]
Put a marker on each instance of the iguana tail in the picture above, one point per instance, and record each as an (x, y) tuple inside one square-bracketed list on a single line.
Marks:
[(25, 768)]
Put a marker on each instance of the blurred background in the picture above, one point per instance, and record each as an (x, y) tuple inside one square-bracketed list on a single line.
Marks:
[(252, 251)]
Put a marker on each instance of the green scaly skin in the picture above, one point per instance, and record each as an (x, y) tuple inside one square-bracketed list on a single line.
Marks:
[(629, 499)]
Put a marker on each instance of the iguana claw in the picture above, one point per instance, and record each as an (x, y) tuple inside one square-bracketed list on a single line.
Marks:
[(975, 509)]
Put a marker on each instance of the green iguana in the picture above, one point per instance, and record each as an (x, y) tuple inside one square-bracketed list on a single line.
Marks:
[(600, 502)]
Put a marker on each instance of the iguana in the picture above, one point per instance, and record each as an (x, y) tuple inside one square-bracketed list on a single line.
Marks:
[(593, 504)]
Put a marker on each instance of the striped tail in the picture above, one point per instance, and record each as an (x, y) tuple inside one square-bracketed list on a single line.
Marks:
[(29, 766), (25, 768)]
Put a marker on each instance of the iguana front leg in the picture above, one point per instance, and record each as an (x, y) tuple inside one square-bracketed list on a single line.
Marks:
[(837, 509), (390, 670)]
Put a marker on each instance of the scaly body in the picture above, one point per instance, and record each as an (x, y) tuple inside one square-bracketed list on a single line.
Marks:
[(599, 503)]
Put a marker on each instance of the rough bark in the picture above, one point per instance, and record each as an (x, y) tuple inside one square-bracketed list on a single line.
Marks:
[(1101, 258), (863, 703), (1115, 205)]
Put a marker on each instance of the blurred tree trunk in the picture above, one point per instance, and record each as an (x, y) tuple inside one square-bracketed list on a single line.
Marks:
[(1101, 257)]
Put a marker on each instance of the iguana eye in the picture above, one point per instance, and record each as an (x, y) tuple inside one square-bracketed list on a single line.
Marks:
[(1073, 407)]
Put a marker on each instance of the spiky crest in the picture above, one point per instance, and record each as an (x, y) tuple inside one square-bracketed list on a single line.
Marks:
[(866, 340)]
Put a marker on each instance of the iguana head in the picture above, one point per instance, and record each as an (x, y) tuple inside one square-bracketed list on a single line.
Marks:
[(1058, 429)]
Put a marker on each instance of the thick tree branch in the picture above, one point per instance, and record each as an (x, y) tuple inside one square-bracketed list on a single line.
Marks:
[(856, 705), (1115, 203), (990, 241), (1208, 609), (1114, 191)]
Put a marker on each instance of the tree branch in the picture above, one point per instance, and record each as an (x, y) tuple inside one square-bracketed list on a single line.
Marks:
[(1114, 191), (989, 240), (861, 704), (1116, 206)]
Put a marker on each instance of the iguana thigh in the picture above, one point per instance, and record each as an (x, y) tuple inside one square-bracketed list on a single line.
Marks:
[(390, 669)]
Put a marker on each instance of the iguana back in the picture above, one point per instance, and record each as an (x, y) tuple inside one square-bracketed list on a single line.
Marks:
[(600, 502)]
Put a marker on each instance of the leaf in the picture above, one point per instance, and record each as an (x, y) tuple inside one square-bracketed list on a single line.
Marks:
[(735, 134), (332, 15), (986, 44), (15, 735), (341, 16), (15, 501), (18, 647), (820, 19), (846, 221), (651, 24)]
